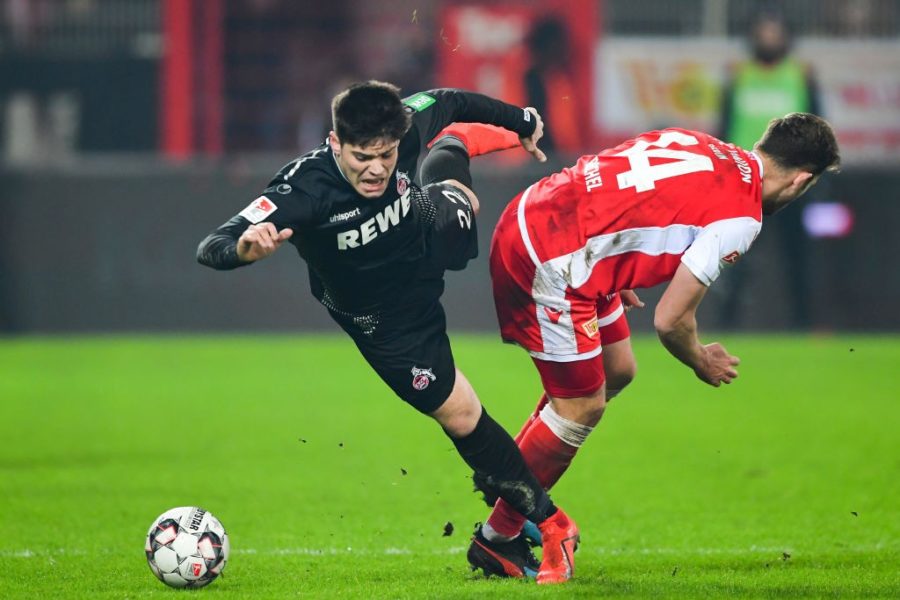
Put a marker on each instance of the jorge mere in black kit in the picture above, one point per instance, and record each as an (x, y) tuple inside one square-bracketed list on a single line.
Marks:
[(377, 240)]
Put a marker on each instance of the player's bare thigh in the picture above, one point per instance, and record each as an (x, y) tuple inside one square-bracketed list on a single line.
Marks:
[(460, 412), (620, 366)]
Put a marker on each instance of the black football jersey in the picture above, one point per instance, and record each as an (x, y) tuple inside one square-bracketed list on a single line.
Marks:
[(362, 253)]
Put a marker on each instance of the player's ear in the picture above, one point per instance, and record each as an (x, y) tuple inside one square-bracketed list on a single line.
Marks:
[(334, 142), (802, 180)]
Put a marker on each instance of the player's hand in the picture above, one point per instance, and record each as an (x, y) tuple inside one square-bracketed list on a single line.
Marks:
[(530, 142), (630, 300), (717, 366), (261, 240)]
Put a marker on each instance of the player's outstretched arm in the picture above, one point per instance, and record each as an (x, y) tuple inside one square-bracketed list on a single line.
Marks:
[(261, 240), (676, 324), (234, 245)]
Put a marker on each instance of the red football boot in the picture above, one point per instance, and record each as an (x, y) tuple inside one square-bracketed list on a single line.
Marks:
[(480, 138), (560, 540)]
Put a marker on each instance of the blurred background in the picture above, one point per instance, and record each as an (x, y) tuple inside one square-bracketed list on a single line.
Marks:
[(131, 128)]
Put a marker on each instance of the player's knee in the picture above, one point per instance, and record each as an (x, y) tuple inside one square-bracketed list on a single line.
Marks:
[(585, 410), (460, 422), (594, 406), (459, 413), (619, 379)]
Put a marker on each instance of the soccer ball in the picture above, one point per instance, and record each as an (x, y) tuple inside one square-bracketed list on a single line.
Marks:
[(186, 547)]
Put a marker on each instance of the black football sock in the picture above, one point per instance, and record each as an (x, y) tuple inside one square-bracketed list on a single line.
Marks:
[(493, 455), (448, 159)]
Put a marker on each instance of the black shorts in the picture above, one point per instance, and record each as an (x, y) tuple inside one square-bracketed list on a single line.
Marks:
[(406, 342), (412, 354)]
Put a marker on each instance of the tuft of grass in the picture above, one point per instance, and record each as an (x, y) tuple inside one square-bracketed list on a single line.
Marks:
[(782, 484)]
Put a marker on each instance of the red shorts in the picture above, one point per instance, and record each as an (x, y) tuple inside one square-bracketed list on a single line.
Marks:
[(563, 331)]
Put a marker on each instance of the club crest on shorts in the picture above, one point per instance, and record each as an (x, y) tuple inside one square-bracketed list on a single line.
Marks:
[(421, 378)]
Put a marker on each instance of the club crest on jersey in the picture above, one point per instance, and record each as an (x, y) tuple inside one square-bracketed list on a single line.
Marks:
[(402, 182), (591, 327), (731, 258), (259, 209), (421, 378)]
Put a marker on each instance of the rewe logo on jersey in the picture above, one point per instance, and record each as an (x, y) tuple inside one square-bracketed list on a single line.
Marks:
[(389, 217)]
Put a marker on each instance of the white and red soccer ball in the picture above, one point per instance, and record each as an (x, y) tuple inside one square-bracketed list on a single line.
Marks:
[(186, 547)]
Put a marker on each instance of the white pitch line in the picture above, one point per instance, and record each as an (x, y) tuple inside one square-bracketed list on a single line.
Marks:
[(452, 550)]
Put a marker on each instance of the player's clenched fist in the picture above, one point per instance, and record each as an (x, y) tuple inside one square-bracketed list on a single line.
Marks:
[(259, 241), (530, 142), (718, 366)]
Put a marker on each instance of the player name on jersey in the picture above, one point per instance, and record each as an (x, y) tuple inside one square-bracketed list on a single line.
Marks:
[(592, 174), (742, 165)]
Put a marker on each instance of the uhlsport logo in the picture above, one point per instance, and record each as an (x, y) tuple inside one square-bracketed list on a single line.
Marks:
[(421, 378)]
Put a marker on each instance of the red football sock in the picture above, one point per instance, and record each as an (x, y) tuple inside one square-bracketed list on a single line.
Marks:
[(537, 411), (548, 457), (480, 138)]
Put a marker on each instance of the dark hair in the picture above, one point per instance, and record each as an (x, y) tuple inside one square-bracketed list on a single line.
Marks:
[(801, 141), (368, 111)]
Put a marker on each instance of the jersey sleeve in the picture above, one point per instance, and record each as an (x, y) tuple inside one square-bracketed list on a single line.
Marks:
[(280, 204), (435, 109), (718, 245)]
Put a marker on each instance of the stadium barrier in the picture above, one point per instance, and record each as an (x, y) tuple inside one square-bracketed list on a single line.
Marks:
[(112, 249)]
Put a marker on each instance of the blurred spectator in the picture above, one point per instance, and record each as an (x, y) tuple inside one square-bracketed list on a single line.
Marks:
[(864, 18), (550, 86), (770, 83)]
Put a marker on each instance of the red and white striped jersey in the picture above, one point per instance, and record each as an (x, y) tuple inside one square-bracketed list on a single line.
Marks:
[(626, 218)]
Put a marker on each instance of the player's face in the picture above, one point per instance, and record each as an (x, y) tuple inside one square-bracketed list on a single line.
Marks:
[(368, 168)]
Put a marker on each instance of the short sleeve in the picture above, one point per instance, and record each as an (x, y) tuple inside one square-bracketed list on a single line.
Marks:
[(719, 245)]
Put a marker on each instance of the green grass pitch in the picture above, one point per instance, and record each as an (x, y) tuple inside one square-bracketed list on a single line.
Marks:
[(785, 484)]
